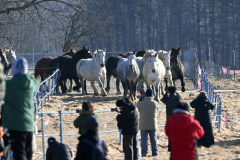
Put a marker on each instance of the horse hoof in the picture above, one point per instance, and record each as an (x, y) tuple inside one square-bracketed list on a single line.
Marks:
[(104, 94), (95, 94), (107, 90), (119, 93), (183, 89), (75, 88)]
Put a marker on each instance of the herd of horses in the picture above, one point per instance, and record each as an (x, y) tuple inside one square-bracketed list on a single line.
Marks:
[(132, 69)]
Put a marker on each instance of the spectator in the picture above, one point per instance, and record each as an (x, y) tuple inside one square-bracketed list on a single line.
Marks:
[(127, 120), (202, 106), (18, 114), (87, 110), (58, 151), (171, 101), (148, 122), (90, 145), (182, 130)]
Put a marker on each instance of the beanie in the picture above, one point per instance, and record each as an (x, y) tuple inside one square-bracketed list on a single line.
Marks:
[(121, 102), (20, 66), (149, 92), (172, 89), (51, 140), (91, 123), (183, 106)]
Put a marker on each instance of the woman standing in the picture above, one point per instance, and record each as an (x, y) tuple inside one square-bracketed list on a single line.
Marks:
[(202, 106)]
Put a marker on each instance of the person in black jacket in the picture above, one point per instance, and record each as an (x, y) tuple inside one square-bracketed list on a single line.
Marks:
[(90, 145), (202, 106), (58, 151), (127, 120), (171, 101)]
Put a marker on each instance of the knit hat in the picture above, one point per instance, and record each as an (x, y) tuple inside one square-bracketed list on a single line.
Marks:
[(91, 123), (121, 102), (183, 106), (172, 89), (51, 140), (149, 92), (20, 66)]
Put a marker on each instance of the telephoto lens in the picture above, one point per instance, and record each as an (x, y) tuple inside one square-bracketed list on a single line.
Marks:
[(78, 110)]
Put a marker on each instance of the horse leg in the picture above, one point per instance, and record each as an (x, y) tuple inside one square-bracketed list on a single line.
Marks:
[(125, 88), (70, 87), (166, 82), (161, 85), (108, 83), (85, 87), (157, 90), (82, 82), (117, 85), (101, 85), (129, 87), (182, 83), (94, 88), (78, 85), (134, 89), (174, 83)]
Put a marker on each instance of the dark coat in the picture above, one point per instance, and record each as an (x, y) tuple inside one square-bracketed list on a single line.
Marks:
[(171, 102), (58, 151), (202, 106), (84, 150), (128, 120)]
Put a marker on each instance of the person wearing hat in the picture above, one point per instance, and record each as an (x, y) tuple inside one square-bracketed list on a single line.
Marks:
[(18, 114), (127, 121), (86, 111), (58, 151), (171, 101), (90, 146), (202, 113), (182, 130), (148, 125)]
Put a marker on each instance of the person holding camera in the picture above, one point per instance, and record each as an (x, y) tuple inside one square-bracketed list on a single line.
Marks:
[(148, 122), (127, 120), (86, 111)]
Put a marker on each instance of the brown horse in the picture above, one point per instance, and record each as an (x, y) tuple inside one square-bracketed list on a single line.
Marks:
[(70, 53), (42, 68)]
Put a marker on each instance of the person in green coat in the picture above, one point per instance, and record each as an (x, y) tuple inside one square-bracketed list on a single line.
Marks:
[(18, 114), (85, 112)]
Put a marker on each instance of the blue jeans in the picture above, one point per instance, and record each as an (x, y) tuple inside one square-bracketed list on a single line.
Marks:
[(153, 140)]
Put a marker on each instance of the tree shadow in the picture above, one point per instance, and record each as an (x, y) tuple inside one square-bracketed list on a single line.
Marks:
[(229, 143)]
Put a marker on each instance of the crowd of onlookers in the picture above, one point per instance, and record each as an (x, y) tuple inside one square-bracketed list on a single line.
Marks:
[(185, 133)]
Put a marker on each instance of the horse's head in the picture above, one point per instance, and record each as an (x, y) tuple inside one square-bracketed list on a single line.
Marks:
[(153, 60), (100, 57), (10, 55), (165, 57), (82, 54), (175, 54), (131, 59)]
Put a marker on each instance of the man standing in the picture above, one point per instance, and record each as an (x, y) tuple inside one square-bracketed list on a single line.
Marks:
[(182, 130), (148, 122), (128, 122), (171, 101), (58, 151), (18, 114)]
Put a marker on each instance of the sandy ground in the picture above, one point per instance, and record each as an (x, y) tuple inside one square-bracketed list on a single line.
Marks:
[(227, 141)]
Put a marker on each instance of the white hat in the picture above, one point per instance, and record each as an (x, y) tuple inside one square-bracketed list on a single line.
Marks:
[(20, 66)]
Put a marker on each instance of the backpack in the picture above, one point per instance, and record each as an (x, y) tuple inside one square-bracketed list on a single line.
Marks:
[(97, 150)]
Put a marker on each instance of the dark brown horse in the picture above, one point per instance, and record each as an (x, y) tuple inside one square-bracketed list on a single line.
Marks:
[(177, 67), (42, 68)]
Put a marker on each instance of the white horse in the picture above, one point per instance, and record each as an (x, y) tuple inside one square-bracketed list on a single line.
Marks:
[(10, 55), (93, 70), (128, 72), (153, 72), (165, 57)]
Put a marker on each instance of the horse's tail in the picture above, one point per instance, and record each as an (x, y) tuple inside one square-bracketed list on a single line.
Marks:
[(36, 73)]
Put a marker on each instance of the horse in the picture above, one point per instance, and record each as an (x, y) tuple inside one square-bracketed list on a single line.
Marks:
[(11, 56), (177, 67), (153, 72), (93, 70), (165, 57), (70, 53), (140, 53), (67, 66), (128, 72), (43, 69), (3, 57)]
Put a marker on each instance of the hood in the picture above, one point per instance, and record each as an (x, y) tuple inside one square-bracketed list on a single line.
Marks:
[(180, 120), (86, 112), (201, 100), (131, 106), (25, 81)]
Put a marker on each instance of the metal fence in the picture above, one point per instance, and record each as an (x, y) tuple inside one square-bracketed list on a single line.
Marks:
[(213, 97)]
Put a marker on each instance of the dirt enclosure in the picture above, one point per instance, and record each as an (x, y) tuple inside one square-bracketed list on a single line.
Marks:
[(227, 141)]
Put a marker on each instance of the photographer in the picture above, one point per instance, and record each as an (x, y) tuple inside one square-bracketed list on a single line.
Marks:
[(127, 120), (87, 110)]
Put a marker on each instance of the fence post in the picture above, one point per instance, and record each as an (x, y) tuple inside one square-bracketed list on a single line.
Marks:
[(49, 86), (41, 95), (52, 91), (43, 138), (120, 136), (139, 151), (37, 100), (61, 136), (45, 89), (220, 112)]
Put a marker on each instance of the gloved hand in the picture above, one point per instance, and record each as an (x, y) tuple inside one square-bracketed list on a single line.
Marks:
[(7, 67)]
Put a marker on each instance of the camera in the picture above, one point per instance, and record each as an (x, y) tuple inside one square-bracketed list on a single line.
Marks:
[(78, 110), (114, 109)]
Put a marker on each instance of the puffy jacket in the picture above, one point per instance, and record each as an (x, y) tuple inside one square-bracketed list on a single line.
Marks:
[(171, 102), (182, 130), (79, 122), (58, 151), (18, 107), (2, 83), (202, 114), (148, 114), (127, 120)]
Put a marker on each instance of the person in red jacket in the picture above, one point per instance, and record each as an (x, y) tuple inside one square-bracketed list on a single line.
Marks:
[(182, 130)]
